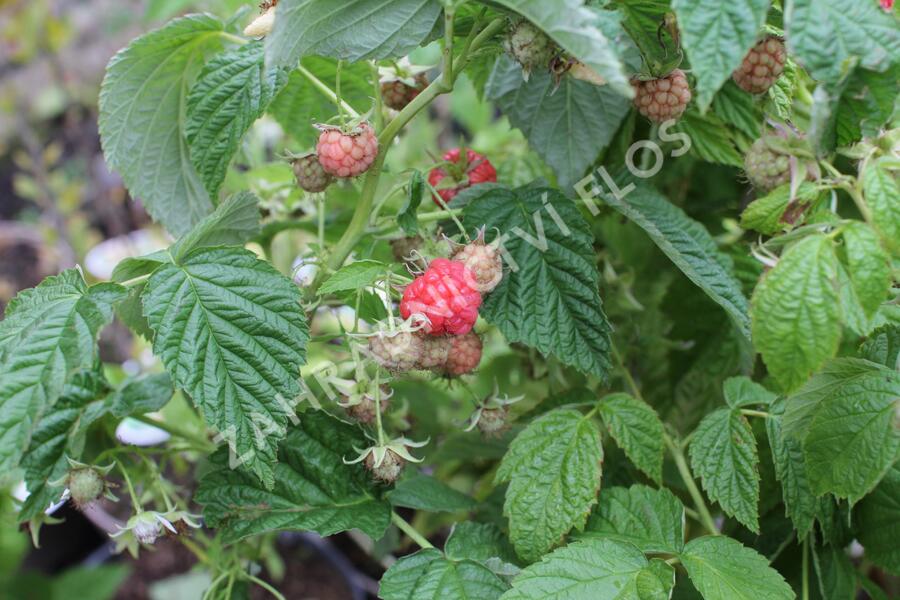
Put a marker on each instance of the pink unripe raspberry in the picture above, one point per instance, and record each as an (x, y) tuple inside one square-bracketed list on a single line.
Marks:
[(434, 352), (464, 354), (347, 154), (762, 66), (484, 263), (396, 351), (662, 99), (443, 297)]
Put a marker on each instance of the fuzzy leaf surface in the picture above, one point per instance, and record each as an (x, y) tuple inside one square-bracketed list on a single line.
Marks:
[(652, 520), (716, 36), (796, 311), (230, 331), (143, 101), (548, 298), (314, 490), (429, 575), (47, 334), (637, 430), (722, 569), (352, 30), (723, 454), (687, 244), (232, 91), (553, 468)]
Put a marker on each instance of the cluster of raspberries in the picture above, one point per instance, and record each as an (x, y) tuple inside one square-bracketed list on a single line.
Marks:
[(443, 303), (341, 153)]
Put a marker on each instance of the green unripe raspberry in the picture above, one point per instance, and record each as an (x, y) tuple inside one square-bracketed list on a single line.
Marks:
[(529, 46), (766, 168), (85, 485)]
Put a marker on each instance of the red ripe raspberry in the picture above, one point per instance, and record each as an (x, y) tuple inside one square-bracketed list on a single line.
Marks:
[(397, 351), (460, 174), (434, 352), (762, 66), (347, 154), (310, 174), (398, 93), (464, 354), (484, 263), (443, 296), (662, 99)]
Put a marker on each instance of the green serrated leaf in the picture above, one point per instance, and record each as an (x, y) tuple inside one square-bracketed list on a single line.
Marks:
[(637, 430), (429, 575), (722, 569), (479, 542), (716, 36), (743, 391), (723, 454), (142, 107), (687, 244), (866, 33), (790, 468), (427, 493), (575, 28), (231, 92), (866, 104), (354, 276), (553, 468), (568, 125), (711, 139), (881, 191), (352, 30), (229, 329), (48, 333), (60, 435), (592, 569), (883, 346), (314, 490), (852, 439), (235, 221), (868, 270), (879, 522), (140, 395), (738, 108), (548, 298), (796, 311), (652, 520)]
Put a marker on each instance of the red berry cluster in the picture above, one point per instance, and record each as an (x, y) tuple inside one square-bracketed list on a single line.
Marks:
[(347, 153), (662, 99), (462, 171), (443, 298), (762, 66)]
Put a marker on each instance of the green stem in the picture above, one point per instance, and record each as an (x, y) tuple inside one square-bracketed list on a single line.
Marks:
[(327, 92), (379, 104), (410, 531), (265, 586), (754, 413), (337, 93), (805, 585), (685, 471), (233, 38), (136, 504), (176, 431), (378, 424), (448, 48)]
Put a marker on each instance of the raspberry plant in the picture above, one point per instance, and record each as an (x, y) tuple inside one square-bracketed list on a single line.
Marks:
[(688, 386)]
